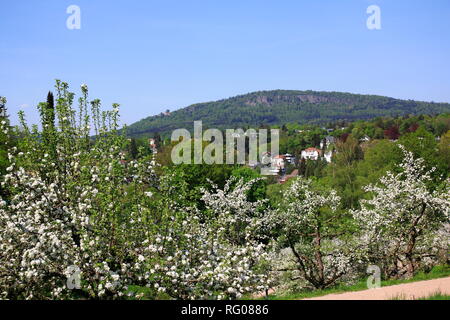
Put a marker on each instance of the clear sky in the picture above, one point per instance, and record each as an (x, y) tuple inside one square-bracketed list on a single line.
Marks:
[(150, 56)]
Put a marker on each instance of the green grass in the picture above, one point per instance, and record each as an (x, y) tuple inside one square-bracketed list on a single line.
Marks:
[(437, 296), (436, 272), (147, 293)]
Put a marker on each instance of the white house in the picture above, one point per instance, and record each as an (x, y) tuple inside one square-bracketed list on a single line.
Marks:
[(311, 154), (278, 162)]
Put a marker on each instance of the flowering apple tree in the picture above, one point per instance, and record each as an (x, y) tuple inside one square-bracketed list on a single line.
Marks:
[(310, 225), (404, 223), (212, 253), (73, 210), (82, 219)]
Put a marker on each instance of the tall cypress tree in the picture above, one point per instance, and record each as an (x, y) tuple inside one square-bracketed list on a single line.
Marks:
[(6, 142), (51, 109), (48, 123), (158, 139), (3, 112)]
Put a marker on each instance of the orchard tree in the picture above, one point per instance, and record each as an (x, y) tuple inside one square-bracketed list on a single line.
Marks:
[(403, 224), (309, 223), (258, 189), (69, 216), (210, 254), (89, 222)]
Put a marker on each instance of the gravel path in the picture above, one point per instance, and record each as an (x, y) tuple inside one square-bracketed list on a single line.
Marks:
[(406, 291)]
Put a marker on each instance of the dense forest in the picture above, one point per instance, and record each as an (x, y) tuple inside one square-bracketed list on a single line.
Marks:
[(281, 106)]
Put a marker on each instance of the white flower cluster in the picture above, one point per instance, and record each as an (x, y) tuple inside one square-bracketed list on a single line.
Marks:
[(81, 219), (84, 221), (210, 254), (404, 221), (308, 225), (64, 213)]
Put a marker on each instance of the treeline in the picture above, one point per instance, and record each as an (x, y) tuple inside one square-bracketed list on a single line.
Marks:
[(6, 141), (279, 107), (363, 151)]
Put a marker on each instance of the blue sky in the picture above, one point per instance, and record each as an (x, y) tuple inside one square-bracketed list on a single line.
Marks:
[(150, 56)]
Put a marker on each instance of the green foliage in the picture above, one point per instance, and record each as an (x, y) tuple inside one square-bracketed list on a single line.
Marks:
[(423, 144), (444, 151), (356, 164), (380, 156), (279, 107), (258, 189), (6, 141), (132, 149), (198, 177), (437, 296), (130, 200)]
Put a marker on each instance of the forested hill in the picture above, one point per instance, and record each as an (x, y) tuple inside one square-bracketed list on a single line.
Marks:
[(278, 107)]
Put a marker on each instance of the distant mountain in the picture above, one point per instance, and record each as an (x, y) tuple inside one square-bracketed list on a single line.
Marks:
[(278, 107)]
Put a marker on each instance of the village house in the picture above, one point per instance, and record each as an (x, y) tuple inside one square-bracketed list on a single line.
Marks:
[(278, 162), (316, 154), (289, 158), (327, 141), (311, 154)]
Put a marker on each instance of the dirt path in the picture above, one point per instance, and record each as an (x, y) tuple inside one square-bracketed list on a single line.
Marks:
[(289, 176), (406, 291)]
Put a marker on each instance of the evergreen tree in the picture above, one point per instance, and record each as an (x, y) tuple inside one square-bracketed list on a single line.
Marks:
[(158, 140), (5, 139), (48, 123), (3, 113), (133, 149)]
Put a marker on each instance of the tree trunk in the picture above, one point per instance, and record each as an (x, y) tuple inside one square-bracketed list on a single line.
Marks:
[(319, 262), (409, 254)]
